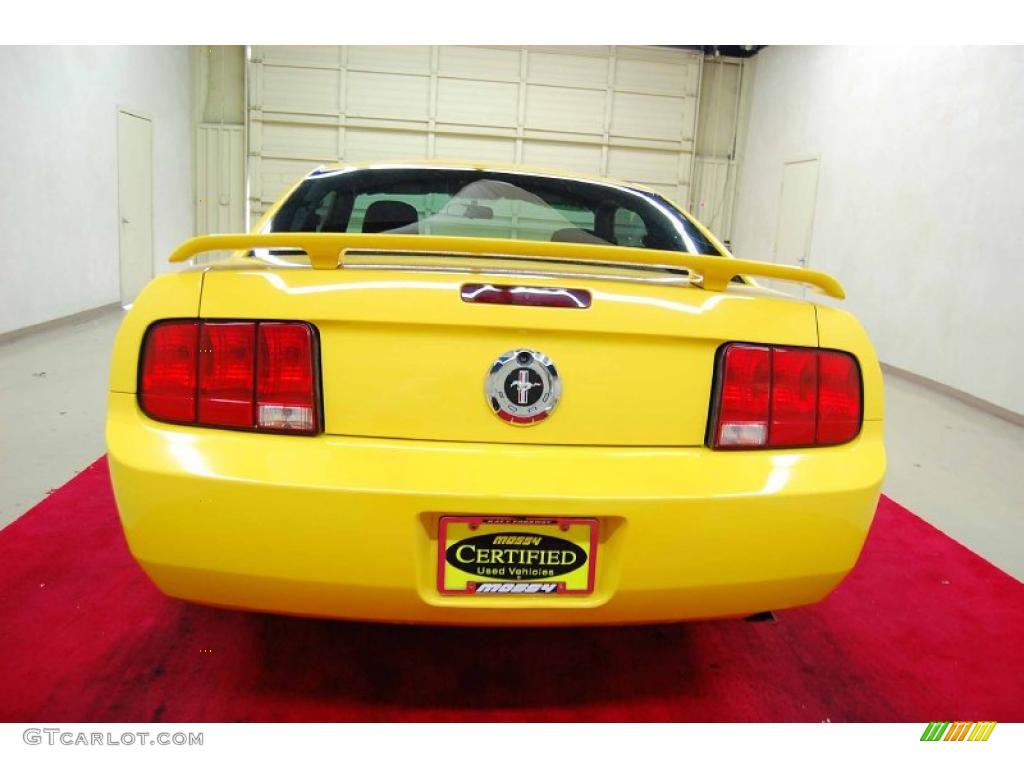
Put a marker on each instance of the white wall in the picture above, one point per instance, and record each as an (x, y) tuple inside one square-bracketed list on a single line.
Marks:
[(920, 209), (58, 162)]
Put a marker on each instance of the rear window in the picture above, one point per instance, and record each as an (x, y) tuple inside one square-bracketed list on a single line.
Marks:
[(470, 203)]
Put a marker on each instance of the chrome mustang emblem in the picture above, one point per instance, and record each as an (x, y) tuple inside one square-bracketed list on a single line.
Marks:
[(523, 387)]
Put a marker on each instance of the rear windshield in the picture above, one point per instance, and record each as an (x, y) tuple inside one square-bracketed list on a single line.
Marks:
[(472, 203)]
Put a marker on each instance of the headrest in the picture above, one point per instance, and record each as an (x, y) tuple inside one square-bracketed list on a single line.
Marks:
[(576, 235), (385, 215)]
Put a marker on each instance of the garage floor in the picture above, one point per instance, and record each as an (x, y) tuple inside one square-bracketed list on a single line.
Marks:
[(954, 465)]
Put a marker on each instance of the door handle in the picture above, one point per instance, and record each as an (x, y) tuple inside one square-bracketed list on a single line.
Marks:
[(124, 220)]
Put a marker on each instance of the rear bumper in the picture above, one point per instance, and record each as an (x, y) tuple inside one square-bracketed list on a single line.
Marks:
[(347, 527)]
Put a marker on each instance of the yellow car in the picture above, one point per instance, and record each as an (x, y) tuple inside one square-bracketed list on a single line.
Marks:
[(472, 394)]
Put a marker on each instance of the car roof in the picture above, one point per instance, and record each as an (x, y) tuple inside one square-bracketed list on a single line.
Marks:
[(471, 165)]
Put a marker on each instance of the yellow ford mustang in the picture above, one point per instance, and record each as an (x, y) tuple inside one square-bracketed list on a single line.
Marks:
[(464, 394)]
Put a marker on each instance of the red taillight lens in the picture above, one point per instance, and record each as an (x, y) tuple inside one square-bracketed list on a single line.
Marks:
[(227, 361), (239, 374), (286, 392), (167, 384), (839, 398), (794, 396), (776, 397), (744, 403)]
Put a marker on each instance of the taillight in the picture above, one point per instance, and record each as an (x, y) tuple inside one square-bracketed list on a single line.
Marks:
[(839, 398), (167, 384), (794, 396), (745, 397), (778, 397), (237, 374), (227, 355), (286, 386)]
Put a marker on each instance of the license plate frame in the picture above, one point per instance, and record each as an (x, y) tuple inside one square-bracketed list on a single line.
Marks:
[(558, 537)]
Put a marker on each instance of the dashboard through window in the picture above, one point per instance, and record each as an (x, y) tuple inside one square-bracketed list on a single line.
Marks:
[(472, 203)]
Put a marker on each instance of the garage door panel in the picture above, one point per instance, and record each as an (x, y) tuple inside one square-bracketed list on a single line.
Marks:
[(627, 112), (286, 140), (573, 157), (381, 124), (413, 59), (371, 94), (652, 117), (644, 165), (326, 56), (375, 145), (290, 89), (495, 131), (573, 71), (474, 102), (564, 109), (474, 148), (669, 77), (593, 51), (479, 63)]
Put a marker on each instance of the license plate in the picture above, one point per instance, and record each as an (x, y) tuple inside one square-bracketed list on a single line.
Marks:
[(516, 556)]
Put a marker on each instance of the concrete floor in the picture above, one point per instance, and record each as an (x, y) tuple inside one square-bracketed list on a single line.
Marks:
[(959, 468), (53, 386)]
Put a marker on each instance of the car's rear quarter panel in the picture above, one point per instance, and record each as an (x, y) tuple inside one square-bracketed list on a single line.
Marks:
[(172, 295), (838, 329)]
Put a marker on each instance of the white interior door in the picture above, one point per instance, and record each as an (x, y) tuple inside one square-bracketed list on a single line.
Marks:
[(134, 202), (796, 217)]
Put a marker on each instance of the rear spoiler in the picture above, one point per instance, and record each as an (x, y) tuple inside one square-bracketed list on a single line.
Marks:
[(327, 251)]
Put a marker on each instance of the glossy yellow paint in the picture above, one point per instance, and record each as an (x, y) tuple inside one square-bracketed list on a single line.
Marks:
[(328, 251), (347, 527), (383, 366), (345, 524)]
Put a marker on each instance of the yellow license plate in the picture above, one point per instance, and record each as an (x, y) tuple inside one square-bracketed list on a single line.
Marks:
[(516, 556)]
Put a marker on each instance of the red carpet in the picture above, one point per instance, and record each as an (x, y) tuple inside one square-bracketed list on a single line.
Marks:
[(922, 630)]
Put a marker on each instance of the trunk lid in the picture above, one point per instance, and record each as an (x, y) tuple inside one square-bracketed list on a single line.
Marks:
[(403, 356)]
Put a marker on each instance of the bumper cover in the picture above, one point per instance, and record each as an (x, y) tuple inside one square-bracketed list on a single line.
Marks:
[(347, 527)]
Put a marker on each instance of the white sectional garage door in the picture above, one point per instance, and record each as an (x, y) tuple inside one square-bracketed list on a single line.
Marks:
[(624, 112)]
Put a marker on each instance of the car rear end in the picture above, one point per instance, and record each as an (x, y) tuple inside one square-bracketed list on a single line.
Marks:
[(325, 442)]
